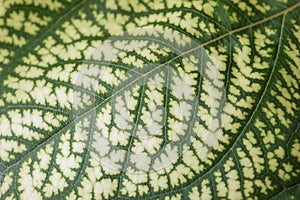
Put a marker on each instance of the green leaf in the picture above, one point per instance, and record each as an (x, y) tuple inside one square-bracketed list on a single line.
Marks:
[(149, 99)]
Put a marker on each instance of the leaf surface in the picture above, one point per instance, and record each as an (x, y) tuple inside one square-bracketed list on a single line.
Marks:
[(149, 99)]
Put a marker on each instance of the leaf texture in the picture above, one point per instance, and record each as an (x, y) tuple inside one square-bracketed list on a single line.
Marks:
[(149, 99)]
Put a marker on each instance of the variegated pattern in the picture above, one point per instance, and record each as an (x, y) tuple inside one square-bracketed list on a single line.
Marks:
[(149, 99)]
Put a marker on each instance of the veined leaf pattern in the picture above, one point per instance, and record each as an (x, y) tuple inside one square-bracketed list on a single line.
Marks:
[(149, 99)]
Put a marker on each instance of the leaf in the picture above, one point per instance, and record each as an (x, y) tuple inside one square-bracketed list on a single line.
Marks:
[(149, 99)]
